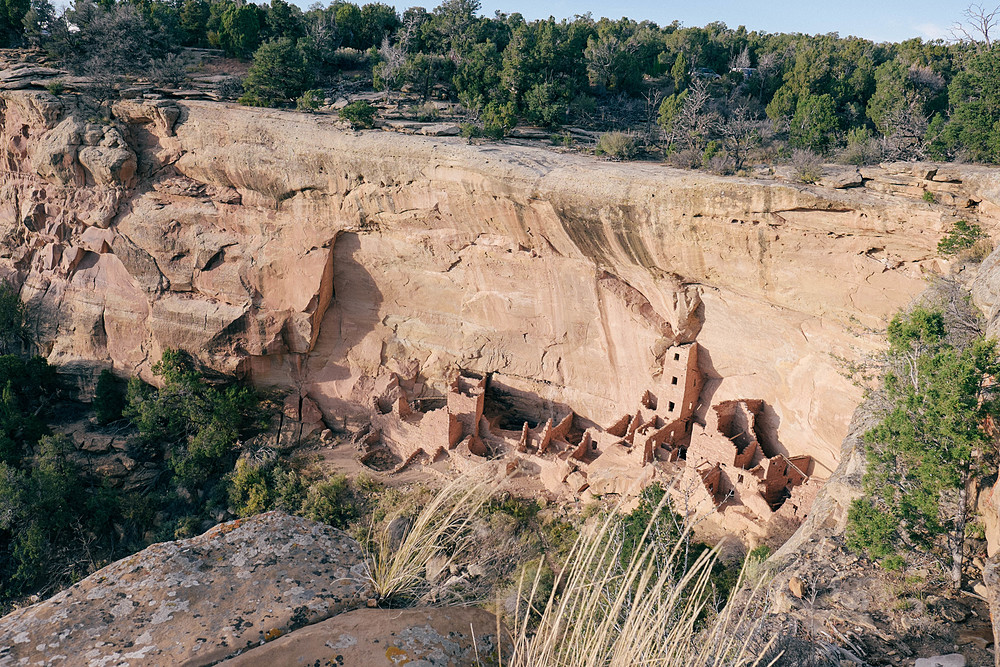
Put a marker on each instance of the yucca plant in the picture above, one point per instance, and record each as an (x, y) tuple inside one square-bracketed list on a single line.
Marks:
[(603, 613), (397, 568)]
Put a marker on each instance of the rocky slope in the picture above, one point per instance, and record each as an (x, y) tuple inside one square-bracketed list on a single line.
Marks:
[(283, 246)]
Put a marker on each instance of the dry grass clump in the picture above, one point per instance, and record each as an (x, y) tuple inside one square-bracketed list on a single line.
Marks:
[(602, 612), (978, 252), (618, 146), (612, 605), (401, 550), (807, 166)]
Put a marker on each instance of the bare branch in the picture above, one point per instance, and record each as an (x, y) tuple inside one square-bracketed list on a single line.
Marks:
[(977, 25)]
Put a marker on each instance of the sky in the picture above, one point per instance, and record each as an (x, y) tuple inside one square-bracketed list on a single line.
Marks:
[(879, 20)]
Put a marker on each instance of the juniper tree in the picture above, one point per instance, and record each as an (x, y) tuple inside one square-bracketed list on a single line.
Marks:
[(278, 75), (13, 333), (930, 443)]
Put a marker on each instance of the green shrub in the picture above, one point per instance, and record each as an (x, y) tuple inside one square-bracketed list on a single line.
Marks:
[(499, 119), (198, 424), (712, 149), (522, 510), (469, 131), (962, 236), (760, 553), (545, 104), (47, 511), (346, 58), (618, 145), (928, 197), (359, 113), (290, 487), (56, 87), (264, 486), (331, 502), (250, 490), (310, 100), (869, 530), (894, 563), (26, 386), (565, 140), (186, 526), (862, 148)]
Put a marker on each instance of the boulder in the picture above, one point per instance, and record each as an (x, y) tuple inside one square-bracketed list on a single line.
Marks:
[(108, 165), (950, 660), (27, 72), (529, 133), (54, 156), (438, 637), (841, 178), (797, 587), (979, 637), (162, 114), (195, 601), (440, 130)]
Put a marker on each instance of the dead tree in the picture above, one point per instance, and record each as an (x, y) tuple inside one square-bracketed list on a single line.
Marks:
[(977, 25)]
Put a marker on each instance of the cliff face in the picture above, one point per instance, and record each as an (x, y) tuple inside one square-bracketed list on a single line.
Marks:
[(283, 246)]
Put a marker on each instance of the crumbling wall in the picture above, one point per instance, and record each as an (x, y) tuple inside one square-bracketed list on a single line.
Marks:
[(721, 466)]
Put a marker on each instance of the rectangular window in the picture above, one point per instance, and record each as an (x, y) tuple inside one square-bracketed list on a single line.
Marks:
[(677, 356), (673, 381), (671, 406)]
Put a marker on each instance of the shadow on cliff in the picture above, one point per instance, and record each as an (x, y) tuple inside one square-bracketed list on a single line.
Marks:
[(711, 380), (353, 313), (768, 420), (508, 408)]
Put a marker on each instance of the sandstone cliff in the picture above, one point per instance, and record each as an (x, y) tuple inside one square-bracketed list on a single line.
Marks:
[(281, 245)]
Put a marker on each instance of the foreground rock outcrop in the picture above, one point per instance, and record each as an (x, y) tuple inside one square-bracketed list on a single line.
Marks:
[(195, 601), (431, 637)]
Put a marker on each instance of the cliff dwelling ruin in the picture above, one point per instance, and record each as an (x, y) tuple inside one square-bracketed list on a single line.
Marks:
[(724, 465)]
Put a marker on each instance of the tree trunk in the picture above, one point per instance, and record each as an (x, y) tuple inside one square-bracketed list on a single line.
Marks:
[(958, 539)]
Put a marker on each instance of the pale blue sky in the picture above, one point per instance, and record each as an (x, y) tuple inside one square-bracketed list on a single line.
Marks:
[(880, 20)]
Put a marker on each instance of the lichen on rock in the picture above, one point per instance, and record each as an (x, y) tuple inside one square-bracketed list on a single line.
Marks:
[(194, 601)]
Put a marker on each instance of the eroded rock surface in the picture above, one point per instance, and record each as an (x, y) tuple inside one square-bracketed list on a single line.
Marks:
[(431, 637), (194, 601), (280, 245)]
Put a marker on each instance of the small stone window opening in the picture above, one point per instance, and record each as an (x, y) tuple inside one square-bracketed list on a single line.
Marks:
[(673, 381), (677, 356), (670, 408)]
